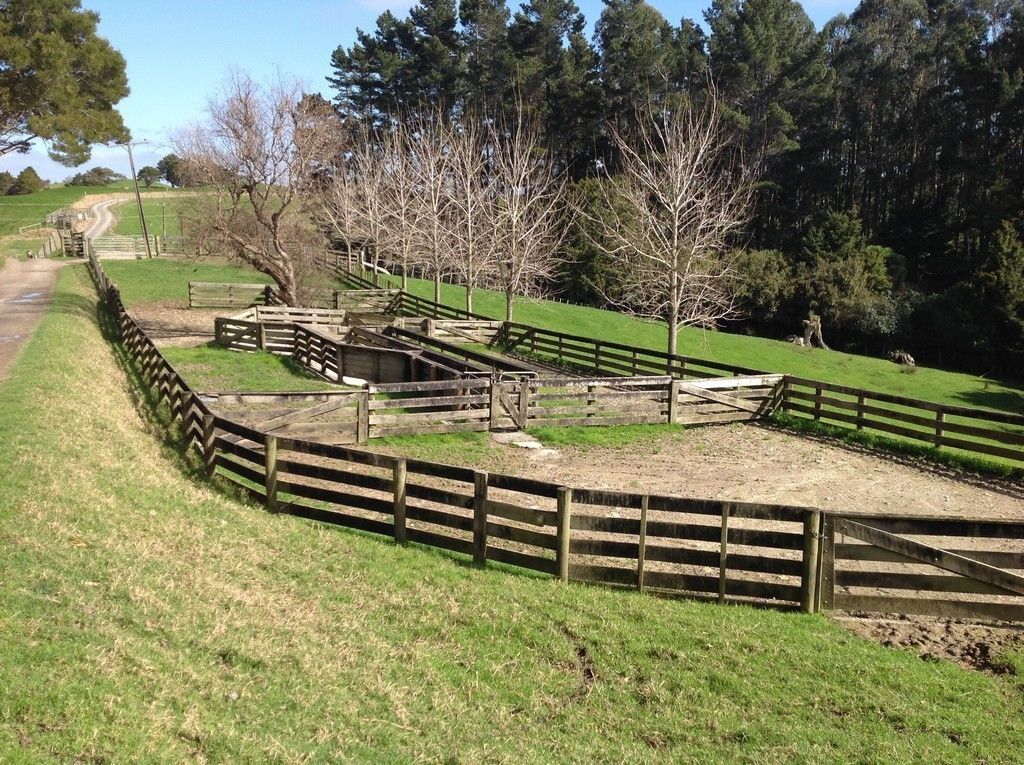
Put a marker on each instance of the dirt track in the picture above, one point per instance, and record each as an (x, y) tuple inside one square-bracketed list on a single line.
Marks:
[(25, 290)]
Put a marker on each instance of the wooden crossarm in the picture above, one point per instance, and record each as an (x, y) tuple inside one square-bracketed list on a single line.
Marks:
[(302, 415), (933, 556), (720, 398)]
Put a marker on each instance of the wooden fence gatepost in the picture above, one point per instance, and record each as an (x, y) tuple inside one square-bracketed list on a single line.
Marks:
[(398, 483), (810, 572), (270, 460), (480, 517), (524, 403), (673, 401), (827, 563), (363, 417), (493, 403), (564, 520)]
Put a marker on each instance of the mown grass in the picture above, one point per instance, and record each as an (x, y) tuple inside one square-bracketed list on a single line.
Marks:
[(743, 350), (214, 368), (166, 279), (146, 617)]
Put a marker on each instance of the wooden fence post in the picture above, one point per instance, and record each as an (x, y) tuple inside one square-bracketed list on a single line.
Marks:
[(564, 520), (817, 404), (826, 563), (524, 403), (723, 552), (673, 402), (209, 446), (270, 465), (492, 403), (261, 335), (363, 417), (641, 555), (398, 484), (480, 517), (860, 411), (940, 418), (810, 573)]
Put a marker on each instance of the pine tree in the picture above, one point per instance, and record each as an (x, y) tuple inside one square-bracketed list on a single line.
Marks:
[(999, 291), (489, 63)]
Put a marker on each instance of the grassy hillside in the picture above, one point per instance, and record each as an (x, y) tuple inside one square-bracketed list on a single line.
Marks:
[(754, 352), (24, 210), (161, 218), (146, 617)]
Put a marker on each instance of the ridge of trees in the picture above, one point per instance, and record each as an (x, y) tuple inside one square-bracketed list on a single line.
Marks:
[(891, 144)]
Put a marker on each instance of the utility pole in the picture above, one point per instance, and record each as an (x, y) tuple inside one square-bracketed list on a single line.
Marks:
[(163, 219), (138, 197)]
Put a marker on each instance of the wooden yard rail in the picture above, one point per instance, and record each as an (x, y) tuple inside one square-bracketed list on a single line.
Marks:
[(786, 556), (230, 295), (978, 431), (602, 357), (498, 402)]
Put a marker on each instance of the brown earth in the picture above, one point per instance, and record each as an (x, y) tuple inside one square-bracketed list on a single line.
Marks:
[(170, 323)]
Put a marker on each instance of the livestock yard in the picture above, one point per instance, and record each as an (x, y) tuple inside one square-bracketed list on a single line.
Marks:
[(718, 512), (425, 423)]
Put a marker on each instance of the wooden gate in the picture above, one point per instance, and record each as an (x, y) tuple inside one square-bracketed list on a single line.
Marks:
[(925, 566), (510, 401)]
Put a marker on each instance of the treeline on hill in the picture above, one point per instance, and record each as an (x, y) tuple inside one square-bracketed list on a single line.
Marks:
[(891, 145)]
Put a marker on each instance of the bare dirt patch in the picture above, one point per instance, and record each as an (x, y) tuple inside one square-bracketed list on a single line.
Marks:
[(975, 646), (169, 323)]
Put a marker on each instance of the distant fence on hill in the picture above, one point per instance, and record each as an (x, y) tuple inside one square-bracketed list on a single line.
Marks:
[(779, 555)]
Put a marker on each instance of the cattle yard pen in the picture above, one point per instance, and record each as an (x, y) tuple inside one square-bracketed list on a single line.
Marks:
[(778, 555), (443, 344)]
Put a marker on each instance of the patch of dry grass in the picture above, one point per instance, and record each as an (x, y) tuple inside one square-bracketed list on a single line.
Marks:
[(147, 617)]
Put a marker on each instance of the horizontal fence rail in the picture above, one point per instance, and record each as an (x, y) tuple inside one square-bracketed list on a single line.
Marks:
[(982, 432), (230, 295)]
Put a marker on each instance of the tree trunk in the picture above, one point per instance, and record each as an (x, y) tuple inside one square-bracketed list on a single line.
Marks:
[(437, 287), (673, 333), (469, 299), (509, 297)]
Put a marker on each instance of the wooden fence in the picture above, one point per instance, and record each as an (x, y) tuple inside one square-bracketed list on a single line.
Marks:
[(601, 357), (124, 245), (497, 402), (786, 556), (229, 295), (977, 431)]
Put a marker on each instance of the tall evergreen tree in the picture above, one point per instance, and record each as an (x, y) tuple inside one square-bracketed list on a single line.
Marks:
[(490, 64)]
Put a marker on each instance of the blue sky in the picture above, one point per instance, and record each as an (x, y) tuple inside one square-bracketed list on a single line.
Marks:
[(179, 52)]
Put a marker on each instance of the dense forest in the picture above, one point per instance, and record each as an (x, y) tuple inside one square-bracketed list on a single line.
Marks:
[(890, 142)]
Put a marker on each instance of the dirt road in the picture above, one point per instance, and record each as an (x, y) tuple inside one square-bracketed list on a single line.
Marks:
[(102, 218), (25, 290)]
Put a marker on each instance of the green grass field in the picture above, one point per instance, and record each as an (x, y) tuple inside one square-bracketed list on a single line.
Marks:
[(143, 281), (162, 218), (753, 352), (213, 368), (147, 617)]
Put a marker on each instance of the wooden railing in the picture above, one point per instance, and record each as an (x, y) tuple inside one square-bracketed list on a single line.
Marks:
[(230, 295), (781, 555), (601, 357), (976, 431)]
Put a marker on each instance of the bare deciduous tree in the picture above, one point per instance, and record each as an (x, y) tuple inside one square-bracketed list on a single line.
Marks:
[(258, 150), (473, 218), (530, 215), (669, 218), (432, 177)]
